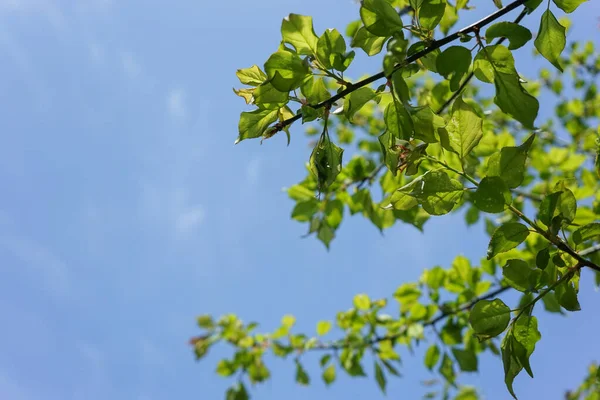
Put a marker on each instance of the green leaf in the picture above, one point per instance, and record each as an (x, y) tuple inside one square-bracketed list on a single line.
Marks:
[(532, 5), (362, 302), (365, 40), (492, 195), (323, 327), (465, 128), (398, 121), (507, 237), (542, 258), (489, 318), (568, 6), (252, 76), (559, 206), (288, 321), (380, 18), (356, 100), (237, 392), (435, 191), (491, 60), (254, 124), (302, 377), (512, 366), (509, 163), (447, 369), (298, 31), (427, 61), (426, 123), (326, 161), (315, 91), (519, 275), (286, 70), (516, 34), (266, 96), (325, 234), (587, 232), (380, 377), (329, 374), (206, 322), (551, 39), (567, 296), (551, 304), (431, 13), (432, 356), (526, 333), (453, 64), (467, 360), (514, 100), (331, 48)]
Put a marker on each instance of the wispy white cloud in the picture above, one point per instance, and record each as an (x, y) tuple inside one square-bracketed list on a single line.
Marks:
[(173, 208), (47, 8), (40, 259), (176, 104), (130, 65)]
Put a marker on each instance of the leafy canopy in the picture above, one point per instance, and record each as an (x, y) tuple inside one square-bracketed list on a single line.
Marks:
[(425, 143)]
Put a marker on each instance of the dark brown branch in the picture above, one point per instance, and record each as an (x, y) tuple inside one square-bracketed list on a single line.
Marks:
[(435, 45)]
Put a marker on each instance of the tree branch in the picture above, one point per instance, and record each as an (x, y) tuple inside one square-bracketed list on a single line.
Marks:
[(436, 44)]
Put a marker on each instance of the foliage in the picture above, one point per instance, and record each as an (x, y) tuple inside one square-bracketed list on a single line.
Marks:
[(427, 143)]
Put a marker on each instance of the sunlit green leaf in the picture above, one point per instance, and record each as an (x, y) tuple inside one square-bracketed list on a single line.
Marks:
[(489, 318), (520, 275), (507, 237), (509, 163), (252, 76), (453, 64), (514, 100), (371, 44), (432, 356), (431, 13), (380, 377), (516, 34), (568, 6), (380, 18), (298, 31), (467, 360), (465, 128), (356, 100), (492, 195), (286, 71), (254, 124), (551, 39)]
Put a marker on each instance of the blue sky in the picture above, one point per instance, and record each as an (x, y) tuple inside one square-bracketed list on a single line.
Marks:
[(127, 211)]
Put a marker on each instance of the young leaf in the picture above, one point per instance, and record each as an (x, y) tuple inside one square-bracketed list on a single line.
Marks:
[(492, 195), (509, 163), (432, 356), (298, 31), (380, 18), (254, 124), (365, 40), (323, 327), (326, 161), (356, 100), (380, 377), (266, 96), (507, 237), (465, 128), (489, 318), (516, 34), (514, 100), (398, 121), (329, 374), (568, 6), (431, 13), (362, 302), (453, 64), (551, 39), (252, 76), (286, 70), (331, 48)]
